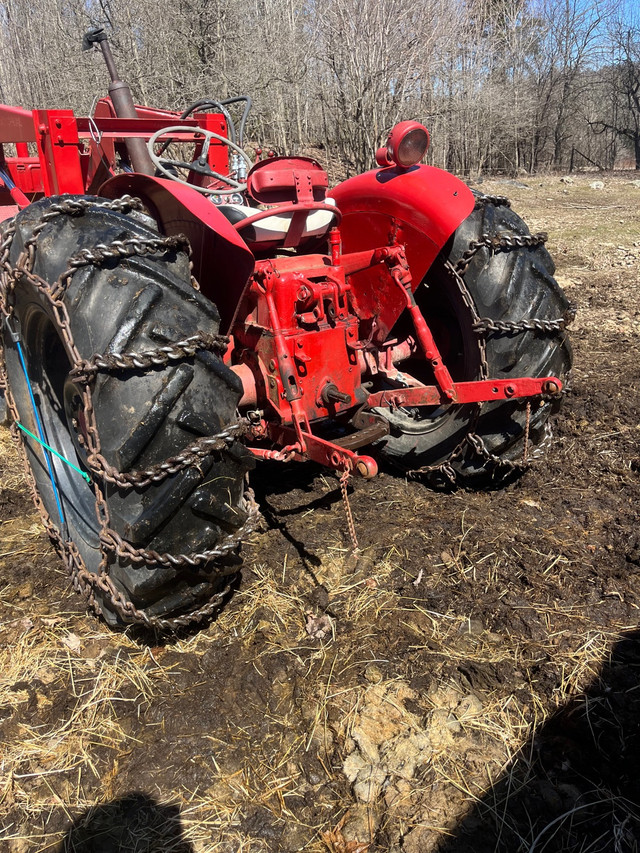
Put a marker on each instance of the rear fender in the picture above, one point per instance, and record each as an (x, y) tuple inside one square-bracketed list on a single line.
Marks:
[(222, 263), (419, 208)]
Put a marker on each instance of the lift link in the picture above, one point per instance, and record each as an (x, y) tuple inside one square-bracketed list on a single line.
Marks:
[(396, 260)]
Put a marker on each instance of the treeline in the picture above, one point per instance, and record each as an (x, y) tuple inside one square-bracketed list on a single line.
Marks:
[(504, 85)]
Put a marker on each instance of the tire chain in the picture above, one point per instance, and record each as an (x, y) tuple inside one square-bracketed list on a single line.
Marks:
[(82, 579), (87, 369), (482, 326), (497, 200), (84, 371), (485, 325), (505, 243), (499, 243), (116, 250)]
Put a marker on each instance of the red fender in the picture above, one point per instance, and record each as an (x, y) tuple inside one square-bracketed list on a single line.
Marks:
[(222, 263), (419, 207)]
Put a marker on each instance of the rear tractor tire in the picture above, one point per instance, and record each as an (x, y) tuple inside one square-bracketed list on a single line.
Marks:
[(153, 537), (496, 312)]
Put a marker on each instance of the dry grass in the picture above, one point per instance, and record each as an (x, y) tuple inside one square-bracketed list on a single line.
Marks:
[(72, 763), (51, 764)]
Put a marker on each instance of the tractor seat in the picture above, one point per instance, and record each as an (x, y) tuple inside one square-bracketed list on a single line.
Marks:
[(274, 229)]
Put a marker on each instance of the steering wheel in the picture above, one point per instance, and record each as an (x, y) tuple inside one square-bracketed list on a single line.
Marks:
[(200, 166)]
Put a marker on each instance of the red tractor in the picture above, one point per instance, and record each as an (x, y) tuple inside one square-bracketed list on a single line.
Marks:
[(173, 311)]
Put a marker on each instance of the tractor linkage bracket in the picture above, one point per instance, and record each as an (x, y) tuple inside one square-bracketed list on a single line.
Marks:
[(340, 457), (318, 450), (482, 391)]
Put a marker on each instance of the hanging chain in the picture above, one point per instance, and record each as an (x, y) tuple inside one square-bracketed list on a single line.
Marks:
[(344, 485), (525, 449), (84, 372)]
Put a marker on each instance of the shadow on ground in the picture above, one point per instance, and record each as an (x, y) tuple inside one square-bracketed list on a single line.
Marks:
[(575, 786), (132, 823)]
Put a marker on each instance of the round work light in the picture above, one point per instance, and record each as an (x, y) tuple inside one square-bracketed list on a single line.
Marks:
[(407, 144)]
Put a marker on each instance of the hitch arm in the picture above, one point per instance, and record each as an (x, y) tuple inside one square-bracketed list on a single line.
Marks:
[(483, 391), (396, 261), (318, 450)]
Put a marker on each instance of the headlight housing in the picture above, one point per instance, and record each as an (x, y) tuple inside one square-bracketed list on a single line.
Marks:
[(406, 145)]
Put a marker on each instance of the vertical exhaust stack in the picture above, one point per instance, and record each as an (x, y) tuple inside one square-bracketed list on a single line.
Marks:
[(122, 100)]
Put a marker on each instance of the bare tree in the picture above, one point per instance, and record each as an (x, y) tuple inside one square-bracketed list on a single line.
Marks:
[(506, 85), (621, 80)]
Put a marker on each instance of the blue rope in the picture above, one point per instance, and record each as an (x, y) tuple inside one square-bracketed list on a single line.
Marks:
[(55, 452), (47, 455)]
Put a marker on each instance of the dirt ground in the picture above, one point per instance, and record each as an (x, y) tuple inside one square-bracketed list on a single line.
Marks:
[(477, 687)]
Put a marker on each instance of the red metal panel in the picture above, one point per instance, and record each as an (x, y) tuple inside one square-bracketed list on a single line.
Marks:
[(218, 151), (26, 173), (287, 179), (151, 120), (123, 128), (418, 207), (16, 125), (432, 201), (222, 263), (58, 148), (101, 160), (7, 211)]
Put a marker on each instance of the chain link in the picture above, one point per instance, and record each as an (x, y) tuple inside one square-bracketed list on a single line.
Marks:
[(285, 454), (118, 249), (495, 200), (87, 369), (5, 246), (485, 325), (113, 542), (525, 449), (79, 206), (83, 372), (189, 457), (344, 486), (499, 243)]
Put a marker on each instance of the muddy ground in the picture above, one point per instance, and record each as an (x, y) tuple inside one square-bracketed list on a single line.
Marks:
[(478, 686)]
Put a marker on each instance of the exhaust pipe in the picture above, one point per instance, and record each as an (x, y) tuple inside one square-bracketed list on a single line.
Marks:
[(122, 100)]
